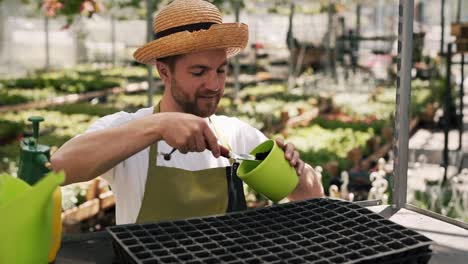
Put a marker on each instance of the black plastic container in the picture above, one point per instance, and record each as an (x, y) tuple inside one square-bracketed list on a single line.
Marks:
[(312, 231)]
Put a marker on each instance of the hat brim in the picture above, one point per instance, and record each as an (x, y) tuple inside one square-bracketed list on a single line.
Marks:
[(231, 36)]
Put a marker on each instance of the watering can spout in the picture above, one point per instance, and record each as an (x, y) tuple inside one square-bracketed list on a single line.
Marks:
[(29, 222)]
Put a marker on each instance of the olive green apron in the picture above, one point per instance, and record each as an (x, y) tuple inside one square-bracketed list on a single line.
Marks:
[(173, 193)]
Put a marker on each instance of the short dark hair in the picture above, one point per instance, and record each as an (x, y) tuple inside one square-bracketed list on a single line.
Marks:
[(170, 61)]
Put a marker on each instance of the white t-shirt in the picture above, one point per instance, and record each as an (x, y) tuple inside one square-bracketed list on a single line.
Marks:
[(128, 178)]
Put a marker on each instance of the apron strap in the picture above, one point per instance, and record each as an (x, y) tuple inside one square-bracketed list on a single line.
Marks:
[(236, 194), (154, 147), (236, 201), (220, 135)]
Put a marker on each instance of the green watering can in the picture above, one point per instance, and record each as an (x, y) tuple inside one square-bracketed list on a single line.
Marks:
[(26, 214)]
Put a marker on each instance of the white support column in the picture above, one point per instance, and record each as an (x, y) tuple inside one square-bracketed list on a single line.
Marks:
[(236, 59), (403, 96), (149, 37)]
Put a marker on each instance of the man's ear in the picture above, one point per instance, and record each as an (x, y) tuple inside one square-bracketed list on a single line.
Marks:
[(164, 71)]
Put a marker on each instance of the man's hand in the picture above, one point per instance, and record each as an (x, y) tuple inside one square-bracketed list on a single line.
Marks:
[(81, 162), (188, 133), (309, 185)]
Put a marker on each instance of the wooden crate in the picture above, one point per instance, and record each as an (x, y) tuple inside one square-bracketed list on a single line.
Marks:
[(462, 45), (80, 219), (107, 200), (460, 30), (83, 212)]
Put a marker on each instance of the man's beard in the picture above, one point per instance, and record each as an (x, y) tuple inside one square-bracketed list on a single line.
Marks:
[(190, 106)]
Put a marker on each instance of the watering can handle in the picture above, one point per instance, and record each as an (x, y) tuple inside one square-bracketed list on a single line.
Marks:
[(35, 122)]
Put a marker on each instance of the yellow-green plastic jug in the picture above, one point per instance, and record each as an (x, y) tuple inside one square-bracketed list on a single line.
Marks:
[(26, 218)]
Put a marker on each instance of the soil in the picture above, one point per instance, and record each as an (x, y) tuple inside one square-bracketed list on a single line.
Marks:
[(261, 155)]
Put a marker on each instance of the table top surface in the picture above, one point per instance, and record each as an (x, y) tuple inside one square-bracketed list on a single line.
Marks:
[(451, 242)]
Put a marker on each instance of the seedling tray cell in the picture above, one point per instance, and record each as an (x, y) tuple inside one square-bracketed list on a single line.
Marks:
[(313, 231)]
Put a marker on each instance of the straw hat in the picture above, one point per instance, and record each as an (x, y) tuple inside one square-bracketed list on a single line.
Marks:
[(186, 26)]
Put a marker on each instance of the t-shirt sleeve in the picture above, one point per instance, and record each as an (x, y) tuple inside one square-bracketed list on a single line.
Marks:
[(247, 137), (105, 122), (254, 137)]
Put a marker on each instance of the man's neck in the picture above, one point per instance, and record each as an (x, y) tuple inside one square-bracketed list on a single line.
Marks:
[(167, 104)]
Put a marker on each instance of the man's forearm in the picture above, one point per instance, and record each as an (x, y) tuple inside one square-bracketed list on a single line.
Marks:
[(90, 155), (309, 186)]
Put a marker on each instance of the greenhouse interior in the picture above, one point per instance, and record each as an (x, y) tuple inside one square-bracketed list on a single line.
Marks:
[(233, 131)]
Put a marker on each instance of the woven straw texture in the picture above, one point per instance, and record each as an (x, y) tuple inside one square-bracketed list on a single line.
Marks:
[(184, 12), (230, 36)]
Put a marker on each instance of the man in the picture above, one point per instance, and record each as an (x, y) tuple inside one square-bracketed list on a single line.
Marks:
[(135, 152)]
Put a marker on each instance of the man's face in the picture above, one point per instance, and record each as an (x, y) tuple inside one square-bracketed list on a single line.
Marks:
[(197, 81)]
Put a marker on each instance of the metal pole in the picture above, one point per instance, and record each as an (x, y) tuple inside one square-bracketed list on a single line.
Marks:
[(459, 7), (292, 49), (353, 41), (437, 216), (340, 44), (236, 60), (328, 68), (403, 96), (447, 108), (442, 25), (47, 45), (113, 40), (2, 29), (149, 37), (462, 94), (358, 24), (420, 12)]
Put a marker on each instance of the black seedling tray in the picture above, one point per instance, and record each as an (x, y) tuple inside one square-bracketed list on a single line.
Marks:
[(313, 231)]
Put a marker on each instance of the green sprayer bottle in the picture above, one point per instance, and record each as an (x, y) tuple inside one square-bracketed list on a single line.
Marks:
[(34, 164)]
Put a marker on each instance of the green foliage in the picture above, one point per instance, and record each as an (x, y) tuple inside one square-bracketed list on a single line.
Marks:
[(263, 90), (129, 73), (62, 125), (381, 110), (325, 7), (434, 88), (33, 94), (11, 99), (442, 200), (376, 125), (318, 146), (83, 78), (321, 157), (70, 7), (338, 141), (73, 195), (84, 108), (130, 102), (382, 105), (64, 82), (9, 130), (55, 131), (10, 152), (288, 97), (126, 3)]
